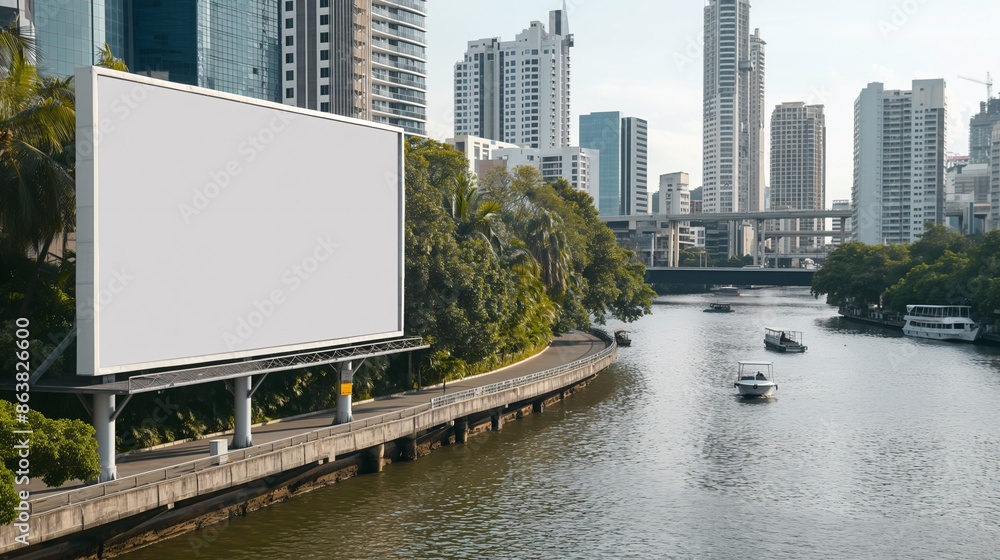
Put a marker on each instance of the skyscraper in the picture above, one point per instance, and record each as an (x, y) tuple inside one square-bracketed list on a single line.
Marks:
[(756, 140), (358, 58), (635, 145), (225, 46), (899, 158), (69, 34), (798, 167), (733, 124), (517, 91), (603, 132), (623, 145), (981, 130)]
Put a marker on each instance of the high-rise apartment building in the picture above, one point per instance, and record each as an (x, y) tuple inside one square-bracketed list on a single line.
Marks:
[(899, 161), (517, 91), (798, 167), (623, 145), (225, 46), (733, 141), (358, 58)]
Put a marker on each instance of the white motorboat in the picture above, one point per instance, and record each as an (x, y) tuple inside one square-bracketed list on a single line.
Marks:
[(728, 290), (940, 322), (783, 340), (755, 379)]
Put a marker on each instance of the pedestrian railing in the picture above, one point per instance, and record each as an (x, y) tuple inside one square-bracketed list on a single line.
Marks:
[(78, 495), (477, 392)]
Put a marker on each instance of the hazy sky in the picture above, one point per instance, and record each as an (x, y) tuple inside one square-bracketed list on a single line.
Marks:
[(644, 58)]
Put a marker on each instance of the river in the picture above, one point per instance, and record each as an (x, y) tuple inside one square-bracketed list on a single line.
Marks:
[(875, 446)]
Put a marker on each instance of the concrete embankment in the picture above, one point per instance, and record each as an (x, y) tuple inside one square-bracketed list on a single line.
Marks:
[(104, 520)]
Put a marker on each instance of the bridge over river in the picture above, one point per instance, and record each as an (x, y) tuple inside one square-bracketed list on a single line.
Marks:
[(734, 276)]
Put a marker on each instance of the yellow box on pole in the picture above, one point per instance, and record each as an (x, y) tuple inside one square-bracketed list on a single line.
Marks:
[(345, 389)]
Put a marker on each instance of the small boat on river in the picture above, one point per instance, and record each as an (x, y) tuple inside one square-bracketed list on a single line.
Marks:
[(728, 290), (783, 340), (755, 379), (719, 308), (622, 338)]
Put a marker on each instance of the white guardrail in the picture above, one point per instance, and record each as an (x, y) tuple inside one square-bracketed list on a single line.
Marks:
[(78, 495)]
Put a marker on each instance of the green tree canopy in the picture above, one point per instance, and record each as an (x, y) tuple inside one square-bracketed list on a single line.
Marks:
[(60, 451), (937, 283), (935, 241), (858, 274)]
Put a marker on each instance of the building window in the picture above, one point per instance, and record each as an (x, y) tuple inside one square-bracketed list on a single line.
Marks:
[(324, 20), (324, 90), (289, 58), (324, 3), (289, 75), (324, 72), (324, 37), (289, 41), (324, 107), (324, 55), (289, 93), (289, 23), (288, 6)]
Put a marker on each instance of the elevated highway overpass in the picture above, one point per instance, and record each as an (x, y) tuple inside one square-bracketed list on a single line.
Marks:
[(734, 276)]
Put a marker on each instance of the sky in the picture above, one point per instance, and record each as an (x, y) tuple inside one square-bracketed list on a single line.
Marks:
[(644, 58)]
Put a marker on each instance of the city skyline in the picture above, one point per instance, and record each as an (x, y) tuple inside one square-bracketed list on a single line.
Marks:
[(893, 42)]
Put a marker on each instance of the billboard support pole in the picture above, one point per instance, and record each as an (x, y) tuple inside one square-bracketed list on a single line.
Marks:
[(104, 428), (346, 386), (242, 437)]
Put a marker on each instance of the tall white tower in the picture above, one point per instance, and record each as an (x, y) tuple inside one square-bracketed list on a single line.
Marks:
[(733, 109), (517, 91), (899, 160), (798, 167)]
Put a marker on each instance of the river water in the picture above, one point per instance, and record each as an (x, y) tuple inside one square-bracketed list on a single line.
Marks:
[(875, 446)]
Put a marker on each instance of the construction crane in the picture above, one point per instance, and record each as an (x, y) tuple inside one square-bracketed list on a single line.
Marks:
[(988, 83)]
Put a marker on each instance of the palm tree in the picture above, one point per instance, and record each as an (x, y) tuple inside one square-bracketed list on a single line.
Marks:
[(473, 215), (107, 59), (37, 123), (544, 236)]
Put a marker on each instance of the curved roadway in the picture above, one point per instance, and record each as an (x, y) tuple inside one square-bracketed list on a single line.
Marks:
[(563, 350)]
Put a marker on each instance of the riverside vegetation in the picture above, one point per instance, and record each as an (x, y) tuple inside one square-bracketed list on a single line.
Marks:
[(942, 268), (493, 271)]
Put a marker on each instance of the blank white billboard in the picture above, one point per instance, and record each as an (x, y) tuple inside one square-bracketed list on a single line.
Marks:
[(214, 227)]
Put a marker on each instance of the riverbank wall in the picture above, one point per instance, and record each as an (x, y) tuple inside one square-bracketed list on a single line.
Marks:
[(105, 520)]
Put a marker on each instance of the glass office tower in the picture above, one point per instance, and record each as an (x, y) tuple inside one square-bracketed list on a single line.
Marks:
[(226, 46), (70, 34)]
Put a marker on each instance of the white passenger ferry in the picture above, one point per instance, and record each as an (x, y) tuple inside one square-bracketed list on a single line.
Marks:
[(940, 322)]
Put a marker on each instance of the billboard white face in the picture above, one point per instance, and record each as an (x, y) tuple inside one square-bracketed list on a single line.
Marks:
[(213, 227)]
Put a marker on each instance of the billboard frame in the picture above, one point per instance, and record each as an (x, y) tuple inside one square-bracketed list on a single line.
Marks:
[(90, 126)]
